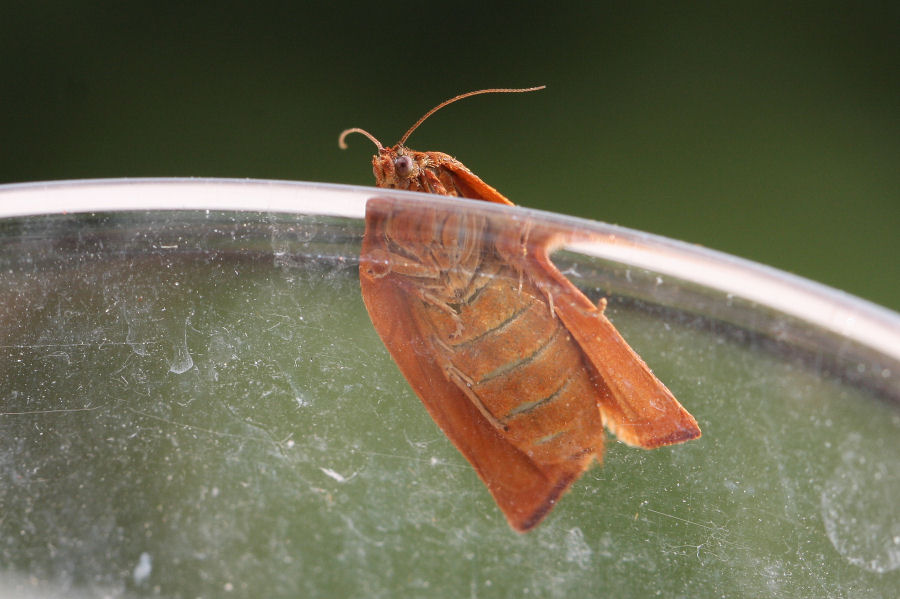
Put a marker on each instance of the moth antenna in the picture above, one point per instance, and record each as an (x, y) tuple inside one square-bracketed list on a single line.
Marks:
[(343, 144), (460, 97)]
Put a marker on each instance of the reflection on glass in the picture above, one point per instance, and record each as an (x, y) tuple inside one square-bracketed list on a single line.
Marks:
[(195, 402)]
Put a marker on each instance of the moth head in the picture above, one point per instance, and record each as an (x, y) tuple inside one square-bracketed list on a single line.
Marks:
[(392, 167), (395, 167)]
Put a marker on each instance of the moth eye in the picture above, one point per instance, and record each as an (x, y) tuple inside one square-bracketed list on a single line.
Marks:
[(403, 165)]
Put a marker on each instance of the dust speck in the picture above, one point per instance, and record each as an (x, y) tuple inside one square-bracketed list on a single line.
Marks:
[(577, 550), (181, 360), (143, 568)]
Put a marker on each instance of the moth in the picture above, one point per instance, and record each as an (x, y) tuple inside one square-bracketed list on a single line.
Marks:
[(515, 364)]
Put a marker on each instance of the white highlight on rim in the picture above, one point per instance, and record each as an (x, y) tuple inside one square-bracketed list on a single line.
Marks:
[(114, 195)]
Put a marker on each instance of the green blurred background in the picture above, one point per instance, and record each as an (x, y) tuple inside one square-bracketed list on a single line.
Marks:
[(766, 130)]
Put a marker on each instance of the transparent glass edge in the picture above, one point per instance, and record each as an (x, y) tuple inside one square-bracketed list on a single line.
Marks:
[(849, 316)]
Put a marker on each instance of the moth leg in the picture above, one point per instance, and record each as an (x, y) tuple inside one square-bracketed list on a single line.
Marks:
[(433, 183), (382, 263), (522, 252), (447, 184), (526, 233), (601, 305), (465, 384), (448, 349), (433, 300)]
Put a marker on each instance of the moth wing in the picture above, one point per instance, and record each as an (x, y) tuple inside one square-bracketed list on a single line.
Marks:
[(470, 185), (524, 490), (637, 407)]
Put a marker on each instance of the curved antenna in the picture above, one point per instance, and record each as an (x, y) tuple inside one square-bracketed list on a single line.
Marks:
[(454, 99), (343, 144)]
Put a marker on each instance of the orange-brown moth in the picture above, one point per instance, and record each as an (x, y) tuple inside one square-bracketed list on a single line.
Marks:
[(519, 368)]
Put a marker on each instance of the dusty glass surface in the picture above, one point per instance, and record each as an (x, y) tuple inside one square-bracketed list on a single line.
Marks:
[(194, 403)]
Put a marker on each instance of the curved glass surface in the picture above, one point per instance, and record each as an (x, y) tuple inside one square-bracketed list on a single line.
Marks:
[(193, 402)]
